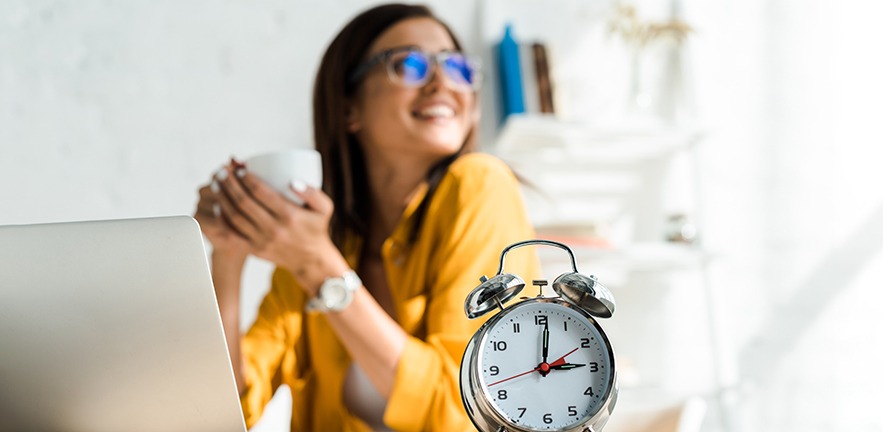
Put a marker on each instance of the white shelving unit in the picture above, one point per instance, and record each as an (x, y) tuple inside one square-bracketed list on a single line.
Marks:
[(619, 182), (607, 191), (562, 141)]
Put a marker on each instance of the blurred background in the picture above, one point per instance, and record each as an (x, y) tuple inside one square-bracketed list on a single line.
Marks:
[(712, 162)]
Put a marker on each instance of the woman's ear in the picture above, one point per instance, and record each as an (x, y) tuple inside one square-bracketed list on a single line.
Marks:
[(353, 118)]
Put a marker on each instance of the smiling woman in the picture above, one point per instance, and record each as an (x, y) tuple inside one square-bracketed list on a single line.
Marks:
[(364, 320)]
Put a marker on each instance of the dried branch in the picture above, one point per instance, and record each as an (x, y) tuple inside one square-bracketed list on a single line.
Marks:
[(627, 25)]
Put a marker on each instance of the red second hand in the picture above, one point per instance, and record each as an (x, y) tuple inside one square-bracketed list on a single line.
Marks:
[(558, 362), (514, 376)]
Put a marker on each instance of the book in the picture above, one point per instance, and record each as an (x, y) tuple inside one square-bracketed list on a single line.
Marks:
[(535, 78), (529, 78), (543, 78)]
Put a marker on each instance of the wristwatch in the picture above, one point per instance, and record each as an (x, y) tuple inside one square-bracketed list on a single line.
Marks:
[(336, 293)]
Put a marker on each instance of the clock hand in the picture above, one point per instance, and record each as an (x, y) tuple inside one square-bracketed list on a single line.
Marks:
[(513, 377), (566, 366), (544, 365), (557, 364)]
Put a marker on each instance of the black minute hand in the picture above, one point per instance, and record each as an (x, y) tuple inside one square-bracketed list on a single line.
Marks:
[(546, 343)]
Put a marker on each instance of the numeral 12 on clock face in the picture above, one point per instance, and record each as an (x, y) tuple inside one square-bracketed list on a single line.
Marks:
[(545, 365)]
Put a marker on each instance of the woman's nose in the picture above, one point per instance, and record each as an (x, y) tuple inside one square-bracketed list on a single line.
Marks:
[(437, 79)]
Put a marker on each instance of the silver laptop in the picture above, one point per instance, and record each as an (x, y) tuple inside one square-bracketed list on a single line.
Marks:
[(112, 326)]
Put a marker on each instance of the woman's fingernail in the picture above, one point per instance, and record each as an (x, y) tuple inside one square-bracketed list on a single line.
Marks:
[(216, 210), (240, 172), (299, 186), (221, 175), (215, 187)]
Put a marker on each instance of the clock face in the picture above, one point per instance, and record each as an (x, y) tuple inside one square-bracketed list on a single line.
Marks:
[(545, 365)]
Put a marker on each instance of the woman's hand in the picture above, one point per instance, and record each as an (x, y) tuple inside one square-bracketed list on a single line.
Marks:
[(216, 228), (278, 230)]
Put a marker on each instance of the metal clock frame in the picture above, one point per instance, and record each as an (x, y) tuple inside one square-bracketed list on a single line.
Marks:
[(581, 293), (479, 406)]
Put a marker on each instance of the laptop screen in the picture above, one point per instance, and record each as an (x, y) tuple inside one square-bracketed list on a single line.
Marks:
[(111, 326)]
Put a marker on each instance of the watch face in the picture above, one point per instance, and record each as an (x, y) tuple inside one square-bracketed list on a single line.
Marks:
[(545, 365), (334, 293)]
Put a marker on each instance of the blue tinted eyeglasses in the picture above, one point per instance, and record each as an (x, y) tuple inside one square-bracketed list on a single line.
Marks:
[(411, 67)]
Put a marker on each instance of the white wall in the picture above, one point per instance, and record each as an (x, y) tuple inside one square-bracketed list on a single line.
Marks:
[(121, 109), (790, 90)]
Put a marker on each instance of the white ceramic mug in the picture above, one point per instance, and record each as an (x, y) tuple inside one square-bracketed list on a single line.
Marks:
[(279, 168)]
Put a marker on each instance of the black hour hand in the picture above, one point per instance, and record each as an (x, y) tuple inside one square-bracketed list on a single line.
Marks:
[(566, 366)]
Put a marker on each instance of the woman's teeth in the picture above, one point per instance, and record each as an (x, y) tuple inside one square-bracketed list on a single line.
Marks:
[(436, 111)]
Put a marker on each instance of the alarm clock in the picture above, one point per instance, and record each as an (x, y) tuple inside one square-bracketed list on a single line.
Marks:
[(543, 363)]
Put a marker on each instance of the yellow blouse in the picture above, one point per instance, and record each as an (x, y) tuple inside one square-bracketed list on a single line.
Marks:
[(474, 214)]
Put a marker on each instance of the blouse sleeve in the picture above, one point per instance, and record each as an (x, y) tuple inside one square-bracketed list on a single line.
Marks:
[(267, 344), (477, 211)]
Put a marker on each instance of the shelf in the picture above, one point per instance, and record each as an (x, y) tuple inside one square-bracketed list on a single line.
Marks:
[(626, 178), (551, 140)]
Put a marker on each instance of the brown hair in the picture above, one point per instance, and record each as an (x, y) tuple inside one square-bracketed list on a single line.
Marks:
[(343, 163)]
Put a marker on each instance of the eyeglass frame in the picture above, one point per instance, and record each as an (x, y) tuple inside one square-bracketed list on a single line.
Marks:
[(383, 57)]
